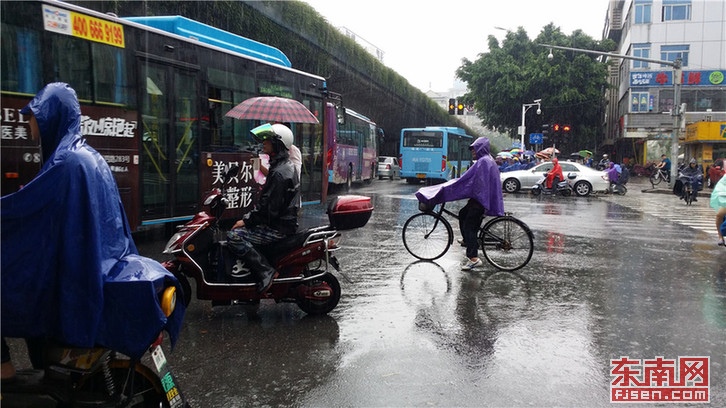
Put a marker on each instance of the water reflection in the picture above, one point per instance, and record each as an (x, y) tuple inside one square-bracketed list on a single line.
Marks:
[(714, 300)]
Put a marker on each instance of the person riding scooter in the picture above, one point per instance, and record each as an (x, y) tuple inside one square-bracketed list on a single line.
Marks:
[(275, 215), (554, 176), (691, 174)]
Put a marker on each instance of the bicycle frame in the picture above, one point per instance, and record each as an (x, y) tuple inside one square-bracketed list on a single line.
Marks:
[(495, 237)]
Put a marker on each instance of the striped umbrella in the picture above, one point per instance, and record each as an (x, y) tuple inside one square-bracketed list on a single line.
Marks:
[(272, 109)]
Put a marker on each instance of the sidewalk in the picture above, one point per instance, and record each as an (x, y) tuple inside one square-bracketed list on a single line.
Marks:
[(642, 183)]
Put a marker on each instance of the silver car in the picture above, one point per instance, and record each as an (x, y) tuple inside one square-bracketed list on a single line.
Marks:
[(587, 180), (388, 167)]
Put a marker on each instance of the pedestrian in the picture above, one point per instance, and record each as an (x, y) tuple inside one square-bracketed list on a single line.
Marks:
[(70, 269), (718, 203), (481, 185)]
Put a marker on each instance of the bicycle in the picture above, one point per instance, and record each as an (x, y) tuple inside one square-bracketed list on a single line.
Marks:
[(507, 242), (658, 176)]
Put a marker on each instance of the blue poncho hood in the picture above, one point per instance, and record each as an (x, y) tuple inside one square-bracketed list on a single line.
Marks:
[(70, 269), (480, 182)]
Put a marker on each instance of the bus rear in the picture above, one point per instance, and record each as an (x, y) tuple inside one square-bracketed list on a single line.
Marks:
[(433, 153)]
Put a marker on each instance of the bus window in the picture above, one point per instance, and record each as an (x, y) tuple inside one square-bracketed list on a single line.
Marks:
[(72, 64), (20, 59), (110, 76), (423, 139), (226, 90)]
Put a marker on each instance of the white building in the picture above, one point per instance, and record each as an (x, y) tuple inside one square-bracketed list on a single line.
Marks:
[(638, 121)]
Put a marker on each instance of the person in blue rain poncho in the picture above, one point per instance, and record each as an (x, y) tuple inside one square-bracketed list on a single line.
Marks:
[(70, 269), (481, 185)]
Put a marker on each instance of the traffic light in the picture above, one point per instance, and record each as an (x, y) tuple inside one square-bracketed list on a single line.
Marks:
[(556, 127), (452, 106), (566, 128), (545, 131), (459, 108)]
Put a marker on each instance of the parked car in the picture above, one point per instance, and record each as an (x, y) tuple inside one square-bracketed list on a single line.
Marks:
[(715, 172), (388, 167), (586, 181)]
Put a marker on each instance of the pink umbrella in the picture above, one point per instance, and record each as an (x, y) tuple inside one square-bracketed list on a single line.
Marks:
[(272, 109)]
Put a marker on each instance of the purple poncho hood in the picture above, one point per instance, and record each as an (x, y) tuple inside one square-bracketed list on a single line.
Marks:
[(480, 182)]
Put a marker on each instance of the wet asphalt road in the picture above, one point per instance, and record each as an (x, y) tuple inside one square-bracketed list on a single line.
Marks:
[(636, 275), (607, 279)]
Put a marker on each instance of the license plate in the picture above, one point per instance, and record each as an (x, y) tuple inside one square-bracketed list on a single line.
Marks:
[(420, 175)]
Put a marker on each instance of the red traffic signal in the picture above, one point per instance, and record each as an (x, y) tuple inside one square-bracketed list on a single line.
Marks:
[(556, 127), (566, 128)]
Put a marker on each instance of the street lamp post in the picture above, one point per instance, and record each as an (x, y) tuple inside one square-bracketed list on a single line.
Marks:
[(677, 73), (525, 108)]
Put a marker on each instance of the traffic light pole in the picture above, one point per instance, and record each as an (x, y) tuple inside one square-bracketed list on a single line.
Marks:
[(677, 79)]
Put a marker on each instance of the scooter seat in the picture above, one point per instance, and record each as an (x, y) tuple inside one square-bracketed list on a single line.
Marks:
[(279, 249)]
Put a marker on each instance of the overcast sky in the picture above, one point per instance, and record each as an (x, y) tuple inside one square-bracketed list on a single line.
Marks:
[(425, 40)]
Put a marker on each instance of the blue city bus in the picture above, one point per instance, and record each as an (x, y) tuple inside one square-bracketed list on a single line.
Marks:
[(434, 153)]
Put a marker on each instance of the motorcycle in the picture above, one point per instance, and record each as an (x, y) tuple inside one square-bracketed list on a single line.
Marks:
[(302, 260), (563, 187), (689, 186), (97, 377)]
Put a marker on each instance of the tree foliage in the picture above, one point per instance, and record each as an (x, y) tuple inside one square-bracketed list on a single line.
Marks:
[(571, 86)]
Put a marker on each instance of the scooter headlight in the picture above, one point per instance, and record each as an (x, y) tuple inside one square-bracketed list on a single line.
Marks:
[(168, 301)]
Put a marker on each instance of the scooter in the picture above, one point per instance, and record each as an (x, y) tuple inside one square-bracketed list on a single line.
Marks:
[(302, 260), (563, 187), (690, 186), (97, 377)]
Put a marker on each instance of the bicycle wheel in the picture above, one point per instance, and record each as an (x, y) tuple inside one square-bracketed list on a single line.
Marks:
[(689, 195), (655, 178), (507, 243), (427, 236)]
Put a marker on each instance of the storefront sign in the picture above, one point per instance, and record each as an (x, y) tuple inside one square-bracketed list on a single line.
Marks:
[(665, 78)]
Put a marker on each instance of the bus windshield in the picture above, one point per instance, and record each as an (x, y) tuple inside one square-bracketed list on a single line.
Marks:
[(429, 139)]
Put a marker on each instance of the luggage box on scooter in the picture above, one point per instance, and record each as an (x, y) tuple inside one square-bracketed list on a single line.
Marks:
[(349, 212)]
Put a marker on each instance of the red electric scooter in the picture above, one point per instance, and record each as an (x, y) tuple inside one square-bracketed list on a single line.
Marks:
[(302, 260)]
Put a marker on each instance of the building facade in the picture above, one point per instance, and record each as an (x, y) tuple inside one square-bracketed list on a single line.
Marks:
[(638, 120)]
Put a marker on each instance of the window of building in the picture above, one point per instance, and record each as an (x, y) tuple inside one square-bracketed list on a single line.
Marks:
[(674, 10), (673, 52), (642, 11), (643, 51), (697, 100), (639, 101)]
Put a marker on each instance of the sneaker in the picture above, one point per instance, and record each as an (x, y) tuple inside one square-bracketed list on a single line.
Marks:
[(469, 265), (461, 241)]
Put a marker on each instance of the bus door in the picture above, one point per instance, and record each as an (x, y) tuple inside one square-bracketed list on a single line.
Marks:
[(169, 147), (359, 162)]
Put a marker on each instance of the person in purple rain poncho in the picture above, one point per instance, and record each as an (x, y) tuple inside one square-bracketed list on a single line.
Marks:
[(612, 173), (481, 185)]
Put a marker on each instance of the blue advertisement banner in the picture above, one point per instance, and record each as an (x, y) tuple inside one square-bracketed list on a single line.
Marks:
[(665, 78)]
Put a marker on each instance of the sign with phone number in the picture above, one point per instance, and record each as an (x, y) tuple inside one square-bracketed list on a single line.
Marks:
[(80, 25)]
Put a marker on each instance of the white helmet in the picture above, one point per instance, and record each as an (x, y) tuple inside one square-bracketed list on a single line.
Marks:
[(277, 133), (284, 133)]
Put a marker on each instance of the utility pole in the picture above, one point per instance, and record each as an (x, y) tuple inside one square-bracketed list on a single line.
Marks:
[(677, 79)]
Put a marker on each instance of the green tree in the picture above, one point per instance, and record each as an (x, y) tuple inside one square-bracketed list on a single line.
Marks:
[(571, 86)]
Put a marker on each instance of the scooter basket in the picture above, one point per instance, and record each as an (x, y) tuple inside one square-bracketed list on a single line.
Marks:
[(349, 212)]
